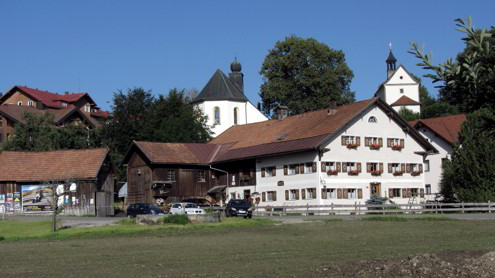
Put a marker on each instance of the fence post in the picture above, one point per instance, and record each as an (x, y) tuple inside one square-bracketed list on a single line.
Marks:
[(307, 209), (355, 208), (332, 209), (489, 207), (462, 207)]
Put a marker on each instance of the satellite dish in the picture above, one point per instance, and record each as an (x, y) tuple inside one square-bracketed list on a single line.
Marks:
[(73, 187)]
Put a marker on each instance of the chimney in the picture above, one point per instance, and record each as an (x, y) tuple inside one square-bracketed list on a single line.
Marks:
[(66, 93), (281, 112), (332, 107), (258, 105)]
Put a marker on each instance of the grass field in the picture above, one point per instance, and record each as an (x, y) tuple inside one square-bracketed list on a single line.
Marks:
[(235, 248)]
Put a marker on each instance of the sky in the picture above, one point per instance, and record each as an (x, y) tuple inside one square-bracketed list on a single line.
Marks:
[(101, 47)]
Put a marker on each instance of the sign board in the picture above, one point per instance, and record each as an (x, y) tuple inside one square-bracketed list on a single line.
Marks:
[(2, 209), (280, 183), (36, 198), (2, 198)]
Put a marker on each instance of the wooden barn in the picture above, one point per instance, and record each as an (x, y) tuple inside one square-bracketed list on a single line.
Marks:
[(84, 178)]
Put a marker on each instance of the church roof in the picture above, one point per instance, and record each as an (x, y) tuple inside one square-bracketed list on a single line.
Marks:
[(404, 100), (391, 57), (220, 88)]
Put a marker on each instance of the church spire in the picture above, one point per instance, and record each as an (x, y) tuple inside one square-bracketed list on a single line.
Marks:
[(390, 62)]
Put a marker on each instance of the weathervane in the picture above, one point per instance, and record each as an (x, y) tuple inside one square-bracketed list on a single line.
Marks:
[(390, 45)]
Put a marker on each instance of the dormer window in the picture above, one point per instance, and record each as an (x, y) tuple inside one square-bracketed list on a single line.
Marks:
[(19, 103), (30, 103), (64, 104), (87, 108), (216, 112)]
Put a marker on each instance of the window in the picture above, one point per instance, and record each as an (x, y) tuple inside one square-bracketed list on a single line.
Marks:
[(268, 172), (308, 168), (64, 104), (414, 192), (271, 196), (401, 91), (372, 119), (171, 175), (233, 181), (87, 108), (232, 195), (294, 194), (236, 112), (351, 166), (292, 169), (201, 176), (331, 193), (19, 103), (414, 167), (373, 142), (428, 188), (350, 140), (30, 103), (216, 113), (310, 193), (394, 193), (427, 166), (351, 193), (373, 167)]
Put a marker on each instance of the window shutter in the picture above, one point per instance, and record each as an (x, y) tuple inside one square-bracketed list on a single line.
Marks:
[(338, 166), (358, 166), (285, 170), (381, 167), (366, 142), (323, 193), (380, 141), (402, 142), (301, 168), (339, 193), (390, 167), (368, 167), (390, 193), (389, 142), (360, 193), (408, 168), (345, 193), (420, 167), (286, 195), (274, 171), (263, 196), (314, 167), (343, 140), (422, 193), (274, 195), (323, 166), (297, 194), (358, 140), (344, 167), (262, 172), (402, 167), (303, 194), (297, 169), (404, 192)]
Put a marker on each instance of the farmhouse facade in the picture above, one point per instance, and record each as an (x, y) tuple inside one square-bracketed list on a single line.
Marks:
[(442, 133), (83, 177), (67, 109), (338, 155)]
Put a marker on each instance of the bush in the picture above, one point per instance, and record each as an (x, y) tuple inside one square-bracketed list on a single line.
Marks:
[(181, 219)]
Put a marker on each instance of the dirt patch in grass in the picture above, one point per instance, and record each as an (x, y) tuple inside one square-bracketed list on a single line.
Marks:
[(466, 264)]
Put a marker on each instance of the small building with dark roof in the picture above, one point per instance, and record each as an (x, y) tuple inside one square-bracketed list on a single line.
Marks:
[(224, 102)]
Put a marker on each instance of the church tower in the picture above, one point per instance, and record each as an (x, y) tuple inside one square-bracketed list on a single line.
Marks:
[(400, 89)]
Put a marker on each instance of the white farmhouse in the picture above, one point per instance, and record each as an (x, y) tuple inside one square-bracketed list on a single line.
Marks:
[(223, 101), (400, 89), (442, 133)]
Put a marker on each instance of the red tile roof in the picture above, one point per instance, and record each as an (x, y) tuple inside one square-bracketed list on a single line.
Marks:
[(447, 127), (51, 165), (405, 101), (16, 113), (177, 152)]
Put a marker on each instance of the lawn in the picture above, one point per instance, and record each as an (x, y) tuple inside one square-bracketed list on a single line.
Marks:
[(236, 248)]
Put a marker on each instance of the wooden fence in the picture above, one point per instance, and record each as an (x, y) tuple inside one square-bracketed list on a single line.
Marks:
[(359, 209)]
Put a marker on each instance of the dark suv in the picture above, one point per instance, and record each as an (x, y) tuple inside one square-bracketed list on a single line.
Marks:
[(143, 208), (239, 207)]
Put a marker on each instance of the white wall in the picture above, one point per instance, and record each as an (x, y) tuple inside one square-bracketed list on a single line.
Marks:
[(414, 108), (385, 128), (444, 148), (247, 114), (409, 85)]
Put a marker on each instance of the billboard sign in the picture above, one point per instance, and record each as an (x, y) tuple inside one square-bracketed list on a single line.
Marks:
[(36, 198)]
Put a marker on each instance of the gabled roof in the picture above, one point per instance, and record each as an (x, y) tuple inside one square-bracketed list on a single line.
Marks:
[(15, 113), (49, 99), (51, 165), (392, 75), (220, 88), (404, 100), (447, 127), (391, 57)]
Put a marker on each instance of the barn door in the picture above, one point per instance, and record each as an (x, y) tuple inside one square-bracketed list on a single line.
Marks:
[(187, 183)]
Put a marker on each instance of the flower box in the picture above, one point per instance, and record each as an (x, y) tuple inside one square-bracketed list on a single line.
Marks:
[(397, 147), (375, 146), (353, 173), (352, 146), (415, 173), (332, 172), (398, 173), (376, 173)]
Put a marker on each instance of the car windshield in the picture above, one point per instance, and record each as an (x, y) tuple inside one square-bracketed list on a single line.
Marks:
[(153, 206), (191, 206), (240, 202)]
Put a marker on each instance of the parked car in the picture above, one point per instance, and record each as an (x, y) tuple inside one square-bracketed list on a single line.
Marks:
[(200, 202), (186, 208), (143, 208), (239, 207)]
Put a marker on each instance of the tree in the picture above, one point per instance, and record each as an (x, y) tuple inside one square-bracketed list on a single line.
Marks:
[(469, 81), (470, 174), (304, 75), (408, 114)]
